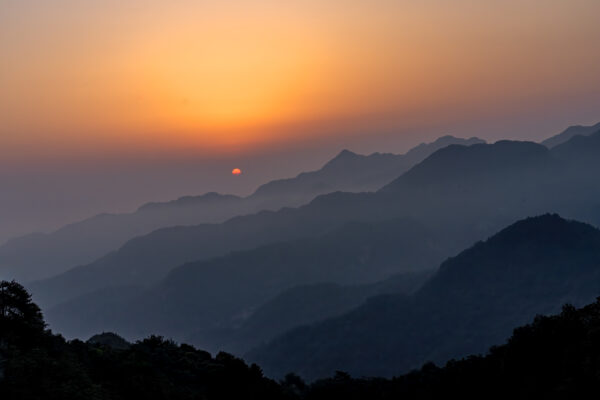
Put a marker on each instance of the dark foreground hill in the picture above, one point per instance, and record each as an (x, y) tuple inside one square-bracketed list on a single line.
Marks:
[(555, 357), (36, 364), (474, 301)]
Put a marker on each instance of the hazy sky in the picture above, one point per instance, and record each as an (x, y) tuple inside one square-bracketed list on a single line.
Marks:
[(107, 103)]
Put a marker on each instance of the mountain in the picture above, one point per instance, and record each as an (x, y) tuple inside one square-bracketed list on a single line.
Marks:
[(554, 357), (37, 364), (580, 158), (581, 149), (474, 301), (461, 192), (109, 339), (40, 256), (475, 165), (569, 133), (351, 172), (301, 305), (223, 292), (424, 150)]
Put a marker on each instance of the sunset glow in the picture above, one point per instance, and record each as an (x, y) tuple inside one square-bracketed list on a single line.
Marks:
[(299, 199), (216, 77)]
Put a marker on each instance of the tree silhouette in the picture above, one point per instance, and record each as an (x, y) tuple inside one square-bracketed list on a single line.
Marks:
[(20, 318)]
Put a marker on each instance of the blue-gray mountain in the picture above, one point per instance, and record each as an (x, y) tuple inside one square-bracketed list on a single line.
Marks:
[(198, 300), (461, 192), (39, 256), (301, 305), (474, 301), (570, 132)]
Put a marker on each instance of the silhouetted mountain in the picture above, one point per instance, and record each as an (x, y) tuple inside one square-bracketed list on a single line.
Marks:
[(36, 364), (474, 301), (569, 133), (39, 256), (580, 150), (554, 357), (221, 293), (481, 206), (109, 339), (476, 198), (191, 201), (298, 306), (580, 158), (470, 165), (351, 172), (424, 150)]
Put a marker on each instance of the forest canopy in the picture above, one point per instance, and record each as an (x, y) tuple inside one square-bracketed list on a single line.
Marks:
[(555, 356)]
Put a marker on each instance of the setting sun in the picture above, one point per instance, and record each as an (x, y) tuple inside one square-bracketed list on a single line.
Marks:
[(236, 171)]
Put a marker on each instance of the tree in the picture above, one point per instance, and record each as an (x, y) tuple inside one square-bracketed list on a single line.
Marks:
[(20, 317)]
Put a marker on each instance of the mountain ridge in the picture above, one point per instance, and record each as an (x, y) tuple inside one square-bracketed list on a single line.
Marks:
[(83, 242), (569, 133), (461, 210), (218, 290), (474, 301)]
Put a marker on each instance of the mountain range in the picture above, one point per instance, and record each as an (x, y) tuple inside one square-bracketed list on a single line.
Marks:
[(461, 193), (343, 281), (39, 256), (569, 133), (553, 357), (220, 293), (474, 301)]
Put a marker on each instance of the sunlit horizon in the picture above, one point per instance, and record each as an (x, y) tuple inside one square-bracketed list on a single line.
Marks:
[(87, 77), (107, 104)]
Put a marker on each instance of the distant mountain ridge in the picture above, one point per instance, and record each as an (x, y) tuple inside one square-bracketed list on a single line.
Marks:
[(581, 149), (484, 188), (468, 163), (221, 292), (40, 256), (301, 305), (346, 172), (189, 201), (474, 301), (473, 202), (569, 133), (480, 194)]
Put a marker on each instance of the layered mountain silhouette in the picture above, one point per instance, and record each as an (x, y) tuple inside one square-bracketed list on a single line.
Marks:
[(218, 295), (569, 133), (39, 256), (554, 357), (370, 277), (462, 193), (351, 172), (474, 301), (581, 149), (301, 305)]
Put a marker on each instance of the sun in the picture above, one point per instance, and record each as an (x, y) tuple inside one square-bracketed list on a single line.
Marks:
[(236, 171)]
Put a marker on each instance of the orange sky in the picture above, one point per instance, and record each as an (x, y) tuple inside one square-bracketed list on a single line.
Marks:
[(215, 77)]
